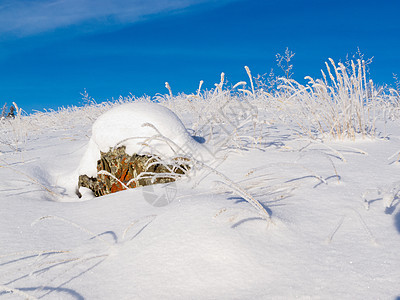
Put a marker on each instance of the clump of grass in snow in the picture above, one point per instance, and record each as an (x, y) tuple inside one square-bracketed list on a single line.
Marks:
[(342, 105)]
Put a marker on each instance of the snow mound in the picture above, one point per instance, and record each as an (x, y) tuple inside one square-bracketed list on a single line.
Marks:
[(143, 128)]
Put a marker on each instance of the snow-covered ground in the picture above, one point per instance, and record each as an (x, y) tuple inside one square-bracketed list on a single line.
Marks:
[(334, 230)]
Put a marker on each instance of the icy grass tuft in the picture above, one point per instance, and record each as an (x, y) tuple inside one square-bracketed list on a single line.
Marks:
[(344, 104)]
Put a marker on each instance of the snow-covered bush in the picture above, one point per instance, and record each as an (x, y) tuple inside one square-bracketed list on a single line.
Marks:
[(148, 129), (143, 128)]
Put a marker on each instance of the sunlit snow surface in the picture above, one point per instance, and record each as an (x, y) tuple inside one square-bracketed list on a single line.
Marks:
[(334, 232)]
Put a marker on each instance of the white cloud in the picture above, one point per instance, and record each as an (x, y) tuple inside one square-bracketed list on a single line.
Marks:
[(27, 17)]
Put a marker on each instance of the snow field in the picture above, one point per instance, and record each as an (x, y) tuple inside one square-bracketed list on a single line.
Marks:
[(334, 231)]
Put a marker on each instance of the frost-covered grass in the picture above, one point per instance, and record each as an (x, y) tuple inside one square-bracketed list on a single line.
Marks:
[(344, 104), (318, 163)]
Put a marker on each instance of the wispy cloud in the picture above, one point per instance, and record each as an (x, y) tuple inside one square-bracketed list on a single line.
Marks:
[(20, 18)]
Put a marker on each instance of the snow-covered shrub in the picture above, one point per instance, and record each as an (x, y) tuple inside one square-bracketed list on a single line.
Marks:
[(147, 129)]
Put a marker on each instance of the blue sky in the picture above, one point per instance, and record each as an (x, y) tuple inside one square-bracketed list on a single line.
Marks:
[(51, 50)]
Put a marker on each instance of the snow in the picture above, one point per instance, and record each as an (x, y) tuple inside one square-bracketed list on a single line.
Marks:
[(334, 231), (142, 128)]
